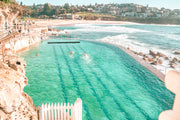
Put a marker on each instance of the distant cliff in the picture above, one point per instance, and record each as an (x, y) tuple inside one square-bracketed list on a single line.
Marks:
[(162, 20), (9, 12)]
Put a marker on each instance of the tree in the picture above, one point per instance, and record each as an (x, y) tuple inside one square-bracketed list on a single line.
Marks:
[(46, 10), (66, 6), (63, 11), (34, 6), (6, 1)]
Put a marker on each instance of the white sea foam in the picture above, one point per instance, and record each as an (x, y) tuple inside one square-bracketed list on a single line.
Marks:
[(129, 40), (124, 40), (170, 36), (113, 28), (134, 45)]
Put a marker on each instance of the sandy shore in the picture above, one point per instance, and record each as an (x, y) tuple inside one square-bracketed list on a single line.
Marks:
[(73, 22)]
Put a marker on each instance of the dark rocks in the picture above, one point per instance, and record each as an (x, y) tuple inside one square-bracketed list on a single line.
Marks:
[(154, 63), (166, 58), (160, 54), (156, 58), (135, 52), (152, 53), (173, 65), (177, 52), (140, 53), (175, 60)]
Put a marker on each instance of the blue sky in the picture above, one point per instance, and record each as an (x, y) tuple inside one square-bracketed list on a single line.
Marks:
[(172, 4)]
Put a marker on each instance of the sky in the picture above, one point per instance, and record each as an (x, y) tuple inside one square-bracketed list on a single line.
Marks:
[(170, 4)]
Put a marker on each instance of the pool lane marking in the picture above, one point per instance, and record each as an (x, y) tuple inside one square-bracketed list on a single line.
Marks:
[(95, 94), (60, 75), (107, 90), (76, 84), (115, 83), (117, 50)]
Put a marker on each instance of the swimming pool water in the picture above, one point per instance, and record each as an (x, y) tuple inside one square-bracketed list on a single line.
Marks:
[(111, 84)]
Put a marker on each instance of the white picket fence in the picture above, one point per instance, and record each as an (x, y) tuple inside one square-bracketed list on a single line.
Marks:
[(61, 112)]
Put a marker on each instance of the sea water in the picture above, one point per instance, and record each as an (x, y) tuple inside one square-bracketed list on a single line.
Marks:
[(111, 84), (138, 37), (163, 38)]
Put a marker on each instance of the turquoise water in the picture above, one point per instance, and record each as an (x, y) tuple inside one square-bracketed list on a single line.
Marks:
[(110, 83), (161, 38)]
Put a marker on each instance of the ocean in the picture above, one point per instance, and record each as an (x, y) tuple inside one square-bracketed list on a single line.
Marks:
[(138, 37)]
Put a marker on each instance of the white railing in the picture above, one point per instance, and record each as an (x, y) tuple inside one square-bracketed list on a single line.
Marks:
[(61, 112)]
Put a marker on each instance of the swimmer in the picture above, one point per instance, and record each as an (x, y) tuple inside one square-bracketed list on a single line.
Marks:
[(37, 54), (84, 54), (71, 52)]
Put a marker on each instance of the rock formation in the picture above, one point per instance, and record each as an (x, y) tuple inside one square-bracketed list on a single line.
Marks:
[(177, 52), (14, 103), (9, 12), (172, 82)]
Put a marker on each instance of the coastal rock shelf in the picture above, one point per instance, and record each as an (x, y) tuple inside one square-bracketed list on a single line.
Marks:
[(14, 103)]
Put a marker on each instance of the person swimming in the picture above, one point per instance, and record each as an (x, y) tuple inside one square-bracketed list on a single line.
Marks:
[(37, 54), (84, 54), (71, 52)]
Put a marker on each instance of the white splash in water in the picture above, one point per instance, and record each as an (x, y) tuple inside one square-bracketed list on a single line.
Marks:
[(87, 58)]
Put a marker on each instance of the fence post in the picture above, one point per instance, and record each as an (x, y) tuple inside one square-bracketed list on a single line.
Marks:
[(64, 111), (58, 112), (78, 109), (55, 112), (68, 111), (49, 111), (45, 111), (52, 111), (42, 111), (72, 112)]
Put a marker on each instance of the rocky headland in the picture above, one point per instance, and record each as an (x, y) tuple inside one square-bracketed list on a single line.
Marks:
[(15, 104)]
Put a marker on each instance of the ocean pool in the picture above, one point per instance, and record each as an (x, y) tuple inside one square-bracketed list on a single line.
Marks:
[(110, 83)]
